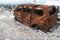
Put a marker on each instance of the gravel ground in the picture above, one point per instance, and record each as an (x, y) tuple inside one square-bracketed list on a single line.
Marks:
[(9, 30)]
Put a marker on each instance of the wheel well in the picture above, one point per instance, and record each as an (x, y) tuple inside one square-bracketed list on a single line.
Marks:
[(35, 26)]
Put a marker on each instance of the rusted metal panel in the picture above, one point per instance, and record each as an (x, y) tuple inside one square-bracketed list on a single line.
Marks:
[(43, 16)]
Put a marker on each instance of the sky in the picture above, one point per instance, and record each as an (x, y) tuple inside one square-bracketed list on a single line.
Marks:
[(48, 2), (56, 2), (20, 1)]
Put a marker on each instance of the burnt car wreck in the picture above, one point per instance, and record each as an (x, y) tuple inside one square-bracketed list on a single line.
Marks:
[(42, 17)]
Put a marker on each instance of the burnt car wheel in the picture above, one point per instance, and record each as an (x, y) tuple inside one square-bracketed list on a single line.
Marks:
[(35, 27), (16, 21), (15, 18)]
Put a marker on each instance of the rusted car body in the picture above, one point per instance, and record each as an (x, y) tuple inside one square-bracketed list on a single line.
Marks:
[(42, 17)]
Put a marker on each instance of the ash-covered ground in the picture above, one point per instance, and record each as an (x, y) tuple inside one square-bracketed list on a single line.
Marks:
[(9, 30)]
